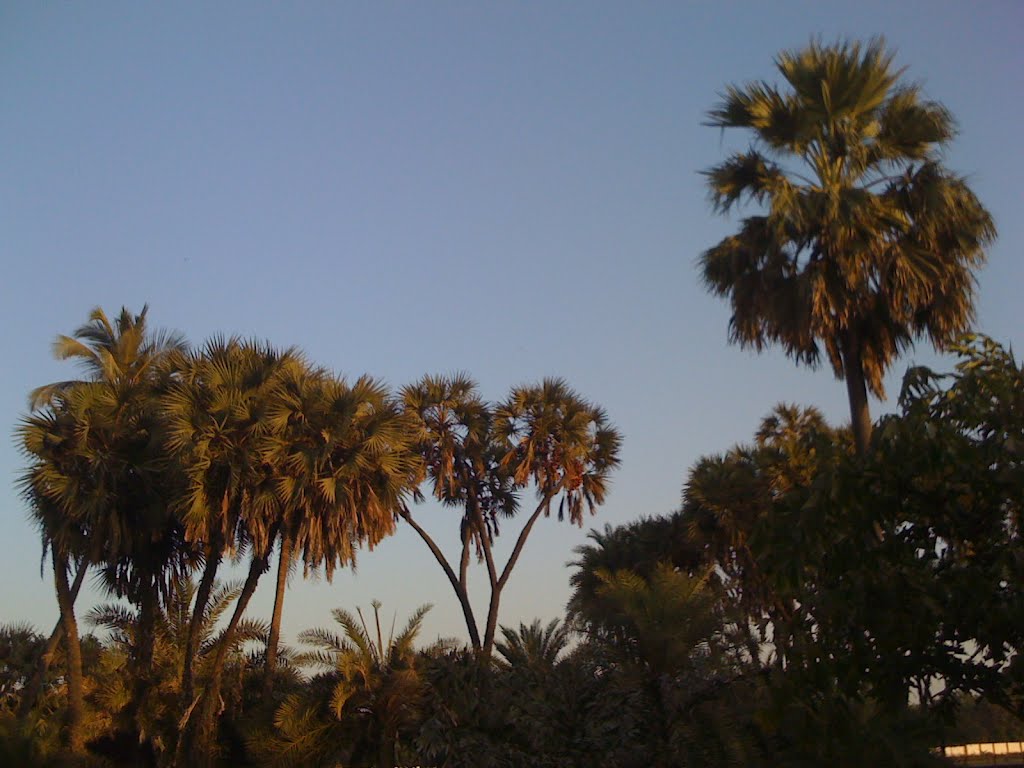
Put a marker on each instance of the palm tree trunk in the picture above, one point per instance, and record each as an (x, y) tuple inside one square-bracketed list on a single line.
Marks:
[(35, 685), (498, 584), (386, 750), (203, 733), (195, 626), (188, 684), (283, 563), (76, 696), (143, 652), (457, 584), (856, 390)]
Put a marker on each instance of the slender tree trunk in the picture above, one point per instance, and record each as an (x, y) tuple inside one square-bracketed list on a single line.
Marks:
[(204, 731), (386, 751), (467, 539), (35, 685), (76, 696), (283, 563), (492, 579), (498, 583), (195, 626), (856, 390), (460, 591), (142, 665), (188, 684)]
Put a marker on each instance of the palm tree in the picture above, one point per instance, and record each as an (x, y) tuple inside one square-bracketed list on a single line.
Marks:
[(566, 448), (480, 457), (218, 421), (95, 480), (372, 691), (638, 547), (160, 716), (534, 646), (216, 415), (730, 500), (19, 645), (125, 352), (864, 241), (463, 463), (683, 650), (47, 438), (34, 684), (342, 463)]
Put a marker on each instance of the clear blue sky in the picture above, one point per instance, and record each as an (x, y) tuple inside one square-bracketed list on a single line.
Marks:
[(507, 189)]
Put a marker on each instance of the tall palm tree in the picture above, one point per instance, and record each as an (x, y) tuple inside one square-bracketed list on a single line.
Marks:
[(216, 414), (47, 438), (342, 463), (562, 445), (218, 421), (95, 479), (463, 464), (34, 685), (863, 241), (480, 457)]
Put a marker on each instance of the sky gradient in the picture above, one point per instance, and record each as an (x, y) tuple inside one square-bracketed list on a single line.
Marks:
[(506, 189)]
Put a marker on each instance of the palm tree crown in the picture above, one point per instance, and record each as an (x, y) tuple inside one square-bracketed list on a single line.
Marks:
[(864, 241)]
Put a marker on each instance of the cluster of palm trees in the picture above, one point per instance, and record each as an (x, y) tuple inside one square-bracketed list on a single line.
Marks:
[(163, 462)]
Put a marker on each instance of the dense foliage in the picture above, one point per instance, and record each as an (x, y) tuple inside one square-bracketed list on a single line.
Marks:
[(823, 595)]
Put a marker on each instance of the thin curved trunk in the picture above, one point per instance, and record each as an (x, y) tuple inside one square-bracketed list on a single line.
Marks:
[(76, 698), (204, 731), (195, 625), (460, 590), (283, 564), (464, 560), (35, 685), (492, 577), (497, 585), (856, 390), (186, 701)]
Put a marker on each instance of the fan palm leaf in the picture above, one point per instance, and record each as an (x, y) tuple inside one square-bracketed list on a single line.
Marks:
[(864, 241)]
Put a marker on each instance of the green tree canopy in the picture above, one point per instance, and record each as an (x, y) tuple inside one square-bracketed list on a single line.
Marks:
[(863, 241)]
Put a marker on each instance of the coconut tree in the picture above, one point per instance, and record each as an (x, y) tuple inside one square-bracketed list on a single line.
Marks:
[(863, 240), (125, 352)]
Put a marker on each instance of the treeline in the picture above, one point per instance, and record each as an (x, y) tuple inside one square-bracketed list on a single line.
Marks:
[(823, 595), (780, 617), (165, 462)]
